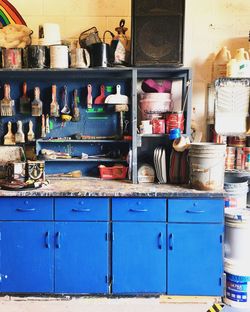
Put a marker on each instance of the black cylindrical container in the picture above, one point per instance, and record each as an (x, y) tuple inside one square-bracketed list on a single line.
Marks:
[(35, 56), (99, 55)]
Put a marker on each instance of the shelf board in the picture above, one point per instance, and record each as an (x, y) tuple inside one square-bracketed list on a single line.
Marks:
[(86, 160), (82, 141)]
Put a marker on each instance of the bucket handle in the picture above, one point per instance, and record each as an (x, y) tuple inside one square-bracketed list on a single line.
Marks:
[(200, 170)]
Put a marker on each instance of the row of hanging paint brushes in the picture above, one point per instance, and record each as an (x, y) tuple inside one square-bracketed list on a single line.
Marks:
[(67, 113)]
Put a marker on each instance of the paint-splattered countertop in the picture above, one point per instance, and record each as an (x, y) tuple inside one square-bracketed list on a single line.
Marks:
[(100, 188)]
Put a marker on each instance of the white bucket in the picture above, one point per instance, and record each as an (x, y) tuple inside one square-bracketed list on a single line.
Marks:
[(237, 235), (237, 292), (237, 189), (207, 166)]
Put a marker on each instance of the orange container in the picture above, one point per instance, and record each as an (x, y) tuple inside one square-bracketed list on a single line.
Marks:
[(117, 172)]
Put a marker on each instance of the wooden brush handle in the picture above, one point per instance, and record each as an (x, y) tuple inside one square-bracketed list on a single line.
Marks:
[(24, 88)]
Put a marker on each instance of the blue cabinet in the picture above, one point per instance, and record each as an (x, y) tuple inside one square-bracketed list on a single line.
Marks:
[(139, 246), (81, 257), (195, 247), (26, 257)]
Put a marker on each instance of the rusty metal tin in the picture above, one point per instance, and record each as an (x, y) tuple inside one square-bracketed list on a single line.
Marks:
[(12, 58)]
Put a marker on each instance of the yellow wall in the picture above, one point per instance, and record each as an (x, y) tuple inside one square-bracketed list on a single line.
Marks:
[(210, 24)]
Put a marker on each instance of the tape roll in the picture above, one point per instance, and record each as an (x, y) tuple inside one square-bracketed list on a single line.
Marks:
[(181, 144)]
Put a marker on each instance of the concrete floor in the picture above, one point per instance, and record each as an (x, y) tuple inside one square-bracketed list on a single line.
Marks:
[(17, 304)]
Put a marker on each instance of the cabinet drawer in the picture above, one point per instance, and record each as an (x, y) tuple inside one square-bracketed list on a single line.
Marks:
[(87, 209), (26, 208), (139, 209), (195, 210)]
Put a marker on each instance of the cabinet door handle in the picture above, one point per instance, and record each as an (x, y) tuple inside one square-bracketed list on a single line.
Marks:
[(47, 244), (81, 210), (160, 239), (58, 236), (25, 209), (138, 210), (171, 241), (195, 211)]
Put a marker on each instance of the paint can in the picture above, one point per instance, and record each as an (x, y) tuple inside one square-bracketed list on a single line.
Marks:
[(237, 141), (59, 56), (207, 162), (158, 126), (237, 290), (174, 120), (237, 233), (35, 56), (12, 58), (247, 158), (230, 158), (79, 58), (240, 158), (236, 189)]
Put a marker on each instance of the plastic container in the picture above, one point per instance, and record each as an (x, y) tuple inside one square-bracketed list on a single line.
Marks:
[(236, 189), (152, 107), (237, 292), (220, 63), (241, 55), (175, 134), (237, 234), (117, 172), (207, 162)]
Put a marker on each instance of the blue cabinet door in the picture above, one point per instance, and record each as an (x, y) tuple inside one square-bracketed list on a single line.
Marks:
[(26, 257), (195, 259), (139, 257), (81, 257)]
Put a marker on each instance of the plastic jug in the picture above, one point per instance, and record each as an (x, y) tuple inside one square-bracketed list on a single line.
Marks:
[(220, 63), (243, 63), (241, 55), (232, 68)]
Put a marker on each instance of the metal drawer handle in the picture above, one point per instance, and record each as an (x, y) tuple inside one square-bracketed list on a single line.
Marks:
[(25, 209), (47, 244), (58, 243), (195, 211), (80, 210), (138, 210), (171, 241), (160, 240)]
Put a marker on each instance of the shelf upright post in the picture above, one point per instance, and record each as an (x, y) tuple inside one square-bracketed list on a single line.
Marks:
[(134, 125)]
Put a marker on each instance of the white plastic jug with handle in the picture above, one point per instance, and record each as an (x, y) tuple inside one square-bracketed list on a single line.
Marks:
[(243, 63), (241, 54), (220, 63)]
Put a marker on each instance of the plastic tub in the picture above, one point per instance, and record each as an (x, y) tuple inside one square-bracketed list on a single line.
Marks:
[(237, 292), (207, 161)]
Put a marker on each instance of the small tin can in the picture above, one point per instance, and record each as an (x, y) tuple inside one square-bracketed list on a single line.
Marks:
[(15, 171), (158, 126), (35, 170), (174, 120), (12, 58)]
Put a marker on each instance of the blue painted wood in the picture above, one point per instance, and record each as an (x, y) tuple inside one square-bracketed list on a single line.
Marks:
[(81, 257), (26, 257), (195, 259), (26, 208), (79, 209), (139, 209), (139, 258), (196, 210)]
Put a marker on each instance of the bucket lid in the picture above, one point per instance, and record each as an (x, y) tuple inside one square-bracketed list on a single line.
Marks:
[(237, 268), (237, 215)]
